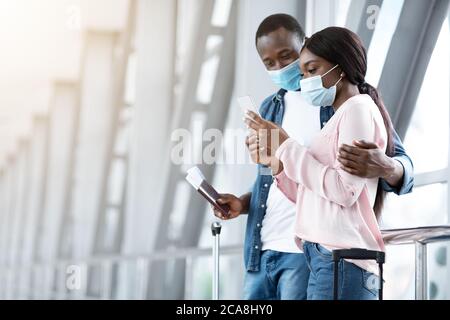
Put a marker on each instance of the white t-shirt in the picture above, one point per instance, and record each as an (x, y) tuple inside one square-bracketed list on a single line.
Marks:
[(302, 122)]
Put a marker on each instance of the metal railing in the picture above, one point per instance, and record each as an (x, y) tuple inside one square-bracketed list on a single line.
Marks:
[(420, 237), (47, 287)]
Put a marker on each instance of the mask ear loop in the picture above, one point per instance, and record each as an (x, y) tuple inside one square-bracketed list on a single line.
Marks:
[(338, 81), (330, 70)]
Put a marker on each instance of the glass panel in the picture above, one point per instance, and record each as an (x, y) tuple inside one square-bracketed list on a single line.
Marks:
[(438, 271), (231, 283), (130, 80), (209, 70), (112, 216), (399, 272), (178, 214), (381, 40), (116, 182), (412, 211), (123, 138), (127, 286), (342, 10), (221, 13), (427, 138), (94, 283)]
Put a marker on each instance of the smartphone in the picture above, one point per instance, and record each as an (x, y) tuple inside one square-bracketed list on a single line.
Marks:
[(246, 103)]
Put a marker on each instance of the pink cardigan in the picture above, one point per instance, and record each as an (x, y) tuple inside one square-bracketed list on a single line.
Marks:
[(335, 208)]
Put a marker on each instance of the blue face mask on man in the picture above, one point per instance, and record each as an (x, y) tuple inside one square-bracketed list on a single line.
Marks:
[(315, 93), (287, 78)]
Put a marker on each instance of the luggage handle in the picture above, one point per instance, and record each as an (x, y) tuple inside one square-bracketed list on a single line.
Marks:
[(216, 227), (357, 254)]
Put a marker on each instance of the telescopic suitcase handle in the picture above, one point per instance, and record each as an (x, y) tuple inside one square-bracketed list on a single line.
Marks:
[(357, 254), (216, 227)]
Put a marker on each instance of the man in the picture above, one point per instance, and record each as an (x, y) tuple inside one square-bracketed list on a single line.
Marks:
[(276, 269)]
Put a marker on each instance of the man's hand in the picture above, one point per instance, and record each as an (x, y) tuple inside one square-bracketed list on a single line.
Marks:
[(367, 160), (236, 206)]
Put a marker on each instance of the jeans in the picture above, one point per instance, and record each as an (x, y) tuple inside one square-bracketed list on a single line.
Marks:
[(282, 276), (354, 282)]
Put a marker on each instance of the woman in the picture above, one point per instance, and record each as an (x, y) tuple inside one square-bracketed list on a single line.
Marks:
[(335, 209)]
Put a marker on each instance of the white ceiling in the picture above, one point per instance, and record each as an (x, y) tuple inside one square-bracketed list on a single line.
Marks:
[(40, 42)]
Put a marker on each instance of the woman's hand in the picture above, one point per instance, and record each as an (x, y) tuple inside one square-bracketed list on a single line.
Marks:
[(258, 154), (264, 139), (269, 136)]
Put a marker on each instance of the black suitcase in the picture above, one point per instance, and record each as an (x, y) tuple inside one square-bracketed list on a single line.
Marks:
[(357, 254)]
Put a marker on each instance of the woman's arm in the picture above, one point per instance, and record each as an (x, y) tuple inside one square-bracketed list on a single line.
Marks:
[(286, 185), (366, 159), (330, 182)]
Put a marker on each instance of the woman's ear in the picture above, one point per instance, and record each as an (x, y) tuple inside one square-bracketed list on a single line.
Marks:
[(342, 74)]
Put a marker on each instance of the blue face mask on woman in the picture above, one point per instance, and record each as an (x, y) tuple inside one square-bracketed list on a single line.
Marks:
[(287, 78), (315, 93)]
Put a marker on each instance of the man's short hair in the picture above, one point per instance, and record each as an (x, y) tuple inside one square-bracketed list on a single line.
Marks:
[(277, 21)]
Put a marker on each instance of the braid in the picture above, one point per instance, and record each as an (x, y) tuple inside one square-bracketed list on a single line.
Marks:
[(363, 87)]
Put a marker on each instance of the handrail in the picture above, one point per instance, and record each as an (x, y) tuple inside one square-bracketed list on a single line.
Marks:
[(162, 255), (419, 234), (390, 237)]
